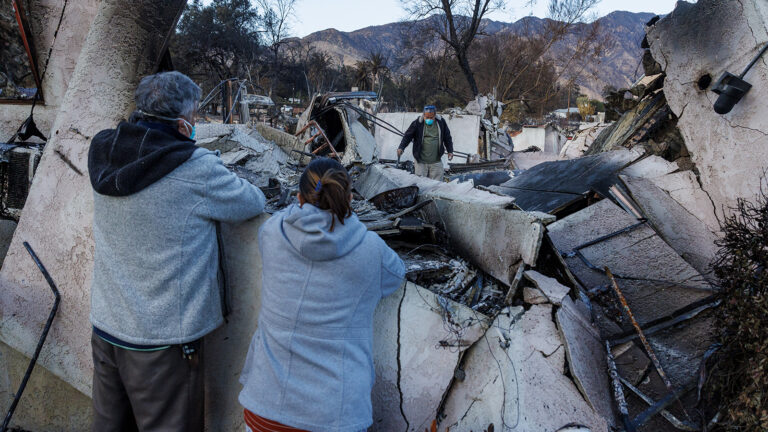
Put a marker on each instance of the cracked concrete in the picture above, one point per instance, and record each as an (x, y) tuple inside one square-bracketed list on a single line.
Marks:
[(419, 339), (515, 380), (730, 151)]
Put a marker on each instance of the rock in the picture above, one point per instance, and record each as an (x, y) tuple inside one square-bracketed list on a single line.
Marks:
[(534, 296), (549, 287)]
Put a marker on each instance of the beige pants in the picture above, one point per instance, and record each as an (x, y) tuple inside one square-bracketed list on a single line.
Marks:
[(434, 171)]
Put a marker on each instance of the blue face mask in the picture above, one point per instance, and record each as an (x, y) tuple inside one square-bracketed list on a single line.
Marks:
[(429, 121), (189, 125)]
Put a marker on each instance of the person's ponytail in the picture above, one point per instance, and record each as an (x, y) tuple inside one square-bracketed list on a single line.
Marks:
[(326, 185)]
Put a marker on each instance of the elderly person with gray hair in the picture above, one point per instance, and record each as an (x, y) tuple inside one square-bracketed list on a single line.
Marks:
[(156, 288)]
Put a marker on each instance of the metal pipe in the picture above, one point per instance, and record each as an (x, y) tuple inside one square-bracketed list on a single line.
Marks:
[(676, 422), (754, 60), (40, 342), (648, 349), (618, 392)]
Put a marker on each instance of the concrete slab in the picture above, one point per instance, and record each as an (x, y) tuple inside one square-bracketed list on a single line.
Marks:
[(226, 348), (585, 352), (685, 189), (650, 167), (528, 160), (465, 130), (632, 363), (576, 147), (511, 385), (493, 239), (380, 178), (686, 233), (667, 282), (549, 287), (419, 339)]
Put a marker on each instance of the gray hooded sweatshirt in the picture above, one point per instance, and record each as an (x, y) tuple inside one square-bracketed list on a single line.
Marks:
[(155, 275), (310, 363)]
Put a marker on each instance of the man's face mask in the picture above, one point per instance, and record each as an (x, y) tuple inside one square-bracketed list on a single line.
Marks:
[(189, 126), (429, 121)]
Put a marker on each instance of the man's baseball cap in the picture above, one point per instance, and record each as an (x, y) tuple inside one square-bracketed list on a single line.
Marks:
[(430, 108)]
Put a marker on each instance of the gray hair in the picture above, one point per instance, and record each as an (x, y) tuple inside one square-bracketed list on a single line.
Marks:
[(167, 94)]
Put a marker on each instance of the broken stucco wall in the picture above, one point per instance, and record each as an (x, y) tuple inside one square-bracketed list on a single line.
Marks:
[(48, 403), (57, 217), (730, 151), (44, 17)]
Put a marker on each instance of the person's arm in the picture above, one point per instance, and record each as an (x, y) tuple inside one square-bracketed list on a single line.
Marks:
[(392, 270), (407, 138), (448, 141), (228, 198)]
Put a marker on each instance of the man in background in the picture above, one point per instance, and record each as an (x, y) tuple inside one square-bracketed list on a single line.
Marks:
[(431, 139)]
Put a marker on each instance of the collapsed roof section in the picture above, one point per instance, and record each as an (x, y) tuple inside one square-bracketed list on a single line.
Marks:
[(334, 126)]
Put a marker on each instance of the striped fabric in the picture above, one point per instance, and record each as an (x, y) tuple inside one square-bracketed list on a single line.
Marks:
[(256, 423)]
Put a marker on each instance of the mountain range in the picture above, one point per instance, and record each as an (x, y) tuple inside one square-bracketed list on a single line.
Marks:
[(618, 67)]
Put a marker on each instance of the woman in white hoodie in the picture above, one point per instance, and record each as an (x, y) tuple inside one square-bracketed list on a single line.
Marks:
[(310, 363)]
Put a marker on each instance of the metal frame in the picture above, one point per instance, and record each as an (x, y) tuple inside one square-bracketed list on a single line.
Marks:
[(320, 132), (40, 342), (29, 47)]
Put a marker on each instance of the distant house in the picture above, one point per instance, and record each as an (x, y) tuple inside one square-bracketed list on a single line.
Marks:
[(563, 112), (546, 138)]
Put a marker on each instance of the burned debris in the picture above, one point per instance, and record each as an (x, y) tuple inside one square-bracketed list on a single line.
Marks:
[(588, 273)]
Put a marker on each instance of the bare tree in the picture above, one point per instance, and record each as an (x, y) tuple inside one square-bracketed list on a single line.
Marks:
[(455, 22), (275, 22), (275, 26)]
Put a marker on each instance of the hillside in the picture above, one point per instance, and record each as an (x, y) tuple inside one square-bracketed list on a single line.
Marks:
[(619, 67)]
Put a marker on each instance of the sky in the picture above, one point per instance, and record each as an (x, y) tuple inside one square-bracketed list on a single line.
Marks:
[(349, 15)]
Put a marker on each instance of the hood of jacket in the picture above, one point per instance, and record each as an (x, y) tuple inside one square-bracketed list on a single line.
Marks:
[(127, 159), (307, 229)]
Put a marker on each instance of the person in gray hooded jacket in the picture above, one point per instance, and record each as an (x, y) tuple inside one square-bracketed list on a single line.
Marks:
[(310, 363), (155, 291)]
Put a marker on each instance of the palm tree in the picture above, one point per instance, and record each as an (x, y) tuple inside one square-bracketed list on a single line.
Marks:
[(362, 73), (378, 67)]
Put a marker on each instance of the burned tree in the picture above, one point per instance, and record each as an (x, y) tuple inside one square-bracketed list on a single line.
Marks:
[(456, 23), (738, 375)]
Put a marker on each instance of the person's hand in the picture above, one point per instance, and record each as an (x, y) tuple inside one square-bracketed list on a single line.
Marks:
[(450, 156), (399, 152)]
